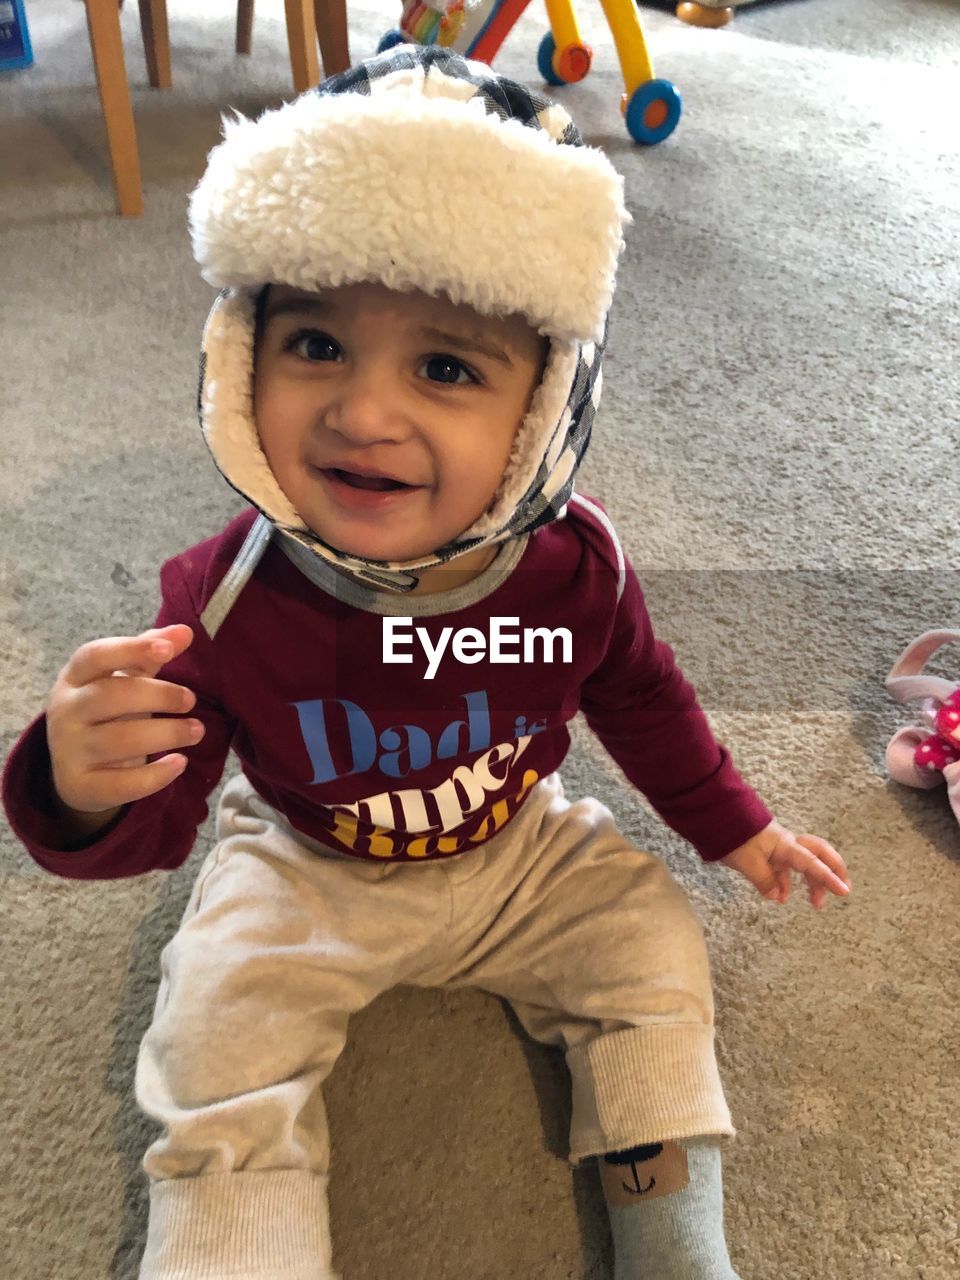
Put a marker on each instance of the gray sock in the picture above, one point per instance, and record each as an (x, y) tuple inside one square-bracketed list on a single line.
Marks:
[(665, 1202)]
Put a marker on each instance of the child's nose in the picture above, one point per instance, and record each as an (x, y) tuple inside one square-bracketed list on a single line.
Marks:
[(362, 408)]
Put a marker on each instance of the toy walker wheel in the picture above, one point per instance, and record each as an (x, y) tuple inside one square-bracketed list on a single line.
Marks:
[(388, 41), (652, 112), (545, 59), (566, 67)]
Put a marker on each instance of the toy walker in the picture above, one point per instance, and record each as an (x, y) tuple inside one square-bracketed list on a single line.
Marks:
[(477, 28)]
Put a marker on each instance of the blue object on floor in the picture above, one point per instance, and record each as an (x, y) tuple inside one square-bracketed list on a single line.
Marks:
[(15, 50), (653, 112)]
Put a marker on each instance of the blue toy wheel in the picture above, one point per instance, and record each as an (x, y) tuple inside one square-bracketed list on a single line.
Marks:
[(388, 41), (545, 59), (568, 66), (653, 111)]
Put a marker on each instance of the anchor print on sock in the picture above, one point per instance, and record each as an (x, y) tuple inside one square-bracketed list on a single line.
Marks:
[(643, 1173)]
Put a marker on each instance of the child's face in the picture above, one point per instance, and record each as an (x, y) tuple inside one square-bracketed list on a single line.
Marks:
[(365, 377)]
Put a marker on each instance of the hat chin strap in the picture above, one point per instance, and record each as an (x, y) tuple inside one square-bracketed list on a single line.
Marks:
[(389, 575)]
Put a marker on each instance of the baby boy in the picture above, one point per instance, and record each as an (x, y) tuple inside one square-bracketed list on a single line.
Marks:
[(400, 376)]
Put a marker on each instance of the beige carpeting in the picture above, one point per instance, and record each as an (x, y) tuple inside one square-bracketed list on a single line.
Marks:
[(778, 447)]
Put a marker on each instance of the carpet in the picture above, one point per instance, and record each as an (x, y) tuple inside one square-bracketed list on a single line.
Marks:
[(777, 447)]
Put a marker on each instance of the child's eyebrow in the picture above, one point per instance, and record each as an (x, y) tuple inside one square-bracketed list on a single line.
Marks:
[(320, 307), (467, 344)]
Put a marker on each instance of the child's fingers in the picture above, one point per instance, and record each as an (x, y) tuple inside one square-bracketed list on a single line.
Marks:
[(818, 875), (820, 883), (818, 895), (163, 644), (779, 891), (784, 883), (120, 699), (141, 655), (135, 738), (110, 764), (119, 785), (814, 866), (825, 851)]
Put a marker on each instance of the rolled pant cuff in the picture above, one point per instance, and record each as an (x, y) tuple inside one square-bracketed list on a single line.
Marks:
[(645, 1084), (268, 1224)]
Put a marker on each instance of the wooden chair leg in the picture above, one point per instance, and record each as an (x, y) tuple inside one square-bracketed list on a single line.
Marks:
[(302, 40), (103, 22), (331, 20), (244, 26), (156, 42)]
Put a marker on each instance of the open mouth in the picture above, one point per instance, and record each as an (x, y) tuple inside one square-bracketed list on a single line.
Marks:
[(379, 484)]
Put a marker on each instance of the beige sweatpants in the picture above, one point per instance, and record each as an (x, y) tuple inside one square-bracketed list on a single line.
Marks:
[(590, 940)]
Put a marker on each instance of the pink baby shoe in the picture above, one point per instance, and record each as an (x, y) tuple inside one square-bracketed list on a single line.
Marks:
[(930, 756)]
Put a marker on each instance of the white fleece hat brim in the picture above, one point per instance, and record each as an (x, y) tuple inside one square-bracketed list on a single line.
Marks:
[(416, 190)]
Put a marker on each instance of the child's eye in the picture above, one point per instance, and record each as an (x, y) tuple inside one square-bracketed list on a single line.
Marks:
[(447, 369), (316, 347), (313, 345)]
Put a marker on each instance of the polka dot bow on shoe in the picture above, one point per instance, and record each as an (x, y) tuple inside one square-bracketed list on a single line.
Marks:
[(929, 756)]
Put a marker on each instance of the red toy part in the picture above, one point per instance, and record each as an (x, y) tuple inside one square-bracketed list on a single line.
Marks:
[(948, 719), (502, 20), (934, 754)]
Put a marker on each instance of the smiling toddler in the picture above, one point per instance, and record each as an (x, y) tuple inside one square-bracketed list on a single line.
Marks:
[(400, 376)]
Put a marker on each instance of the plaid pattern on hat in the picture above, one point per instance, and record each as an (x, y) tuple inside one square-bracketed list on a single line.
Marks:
[(546, 499), (506, 98)]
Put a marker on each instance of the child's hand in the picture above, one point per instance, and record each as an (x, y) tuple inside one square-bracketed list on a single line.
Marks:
[(774, 852), (100, 725)]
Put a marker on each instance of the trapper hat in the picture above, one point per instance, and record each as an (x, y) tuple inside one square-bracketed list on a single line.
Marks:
[(420, 170)]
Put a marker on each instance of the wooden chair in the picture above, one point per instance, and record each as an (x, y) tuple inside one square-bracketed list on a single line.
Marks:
[(306, 21)]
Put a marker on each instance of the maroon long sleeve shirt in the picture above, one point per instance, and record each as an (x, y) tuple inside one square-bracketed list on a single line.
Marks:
[(376, 759)]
